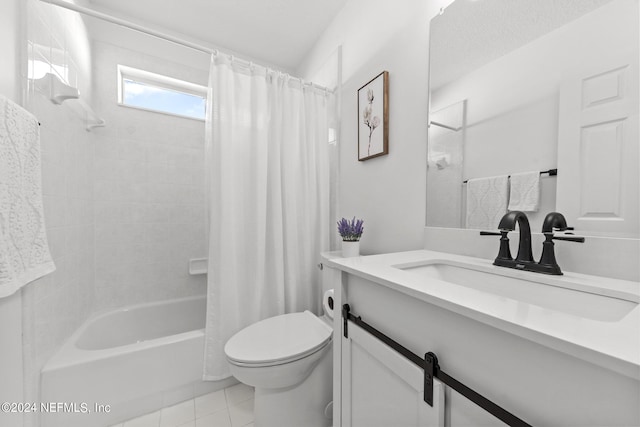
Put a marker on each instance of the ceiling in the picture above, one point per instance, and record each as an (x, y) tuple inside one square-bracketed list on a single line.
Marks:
[(274, 32), (472, 33)]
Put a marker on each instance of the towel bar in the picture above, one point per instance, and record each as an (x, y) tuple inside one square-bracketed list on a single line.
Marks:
[(551, 172)]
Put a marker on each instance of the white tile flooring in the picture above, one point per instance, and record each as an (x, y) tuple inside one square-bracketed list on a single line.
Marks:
[(231, 407)]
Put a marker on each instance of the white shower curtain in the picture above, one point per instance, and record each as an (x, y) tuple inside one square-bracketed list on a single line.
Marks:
[(268, 196)]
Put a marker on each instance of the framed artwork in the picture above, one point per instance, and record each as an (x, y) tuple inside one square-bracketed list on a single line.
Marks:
[(373, 117)]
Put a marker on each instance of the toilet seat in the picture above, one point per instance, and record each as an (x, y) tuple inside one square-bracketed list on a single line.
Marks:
[(278, 340)]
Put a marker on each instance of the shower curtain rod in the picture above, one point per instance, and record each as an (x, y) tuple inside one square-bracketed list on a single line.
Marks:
[(158, 34)]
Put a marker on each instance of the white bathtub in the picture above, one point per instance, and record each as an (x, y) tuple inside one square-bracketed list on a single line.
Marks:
[(135, 359)]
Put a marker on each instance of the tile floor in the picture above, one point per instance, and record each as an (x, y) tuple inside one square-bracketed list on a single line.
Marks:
[(231, 407)]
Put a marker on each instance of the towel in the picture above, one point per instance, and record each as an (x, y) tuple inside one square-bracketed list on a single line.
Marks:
[(487, 201), (524, 192), (24, 251)]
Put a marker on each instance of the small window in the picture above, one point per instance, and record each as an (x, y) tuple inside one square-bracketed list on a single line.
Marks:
[(154, 92), (46, 59)]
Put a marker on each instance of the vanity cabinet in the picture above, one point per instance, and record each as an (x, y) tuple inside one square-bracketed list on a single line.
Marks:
[(381, 388), (541, 385)]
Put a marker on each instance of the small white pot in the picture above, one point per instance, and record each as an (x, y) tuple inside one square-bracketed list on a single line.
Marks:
[(350, 249)]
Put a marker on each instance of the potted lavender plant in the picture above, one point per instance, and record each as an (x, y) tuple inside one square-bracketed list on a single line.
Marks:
[(350, 231)]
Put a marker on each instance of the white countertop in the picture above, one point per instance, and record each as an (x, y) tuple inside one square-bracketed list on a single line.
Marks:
[(612, 344)]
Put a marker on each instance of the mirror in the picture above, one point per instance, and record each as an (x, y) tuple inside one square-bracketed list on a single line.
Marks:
[(532, 86)]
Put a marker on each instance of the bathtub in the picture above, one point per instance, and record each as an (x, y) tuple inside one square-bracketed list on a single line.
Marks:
[(126, 363)]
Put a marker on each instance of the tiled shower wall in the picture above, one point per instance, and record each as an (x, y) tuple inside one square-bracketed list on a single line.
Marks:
[(55, 305), (148, 189), (124, 204)]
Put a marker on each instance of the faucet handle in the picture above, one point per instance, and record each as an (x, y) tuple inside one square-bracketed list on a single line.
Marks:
[(548, 263), (569, 238), (563, 228), (504, 253)]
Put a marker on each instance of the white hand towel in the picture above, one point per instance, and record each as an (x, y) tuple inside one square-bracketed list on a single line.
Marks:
[(24, 252), (525, 192), (487, 201)]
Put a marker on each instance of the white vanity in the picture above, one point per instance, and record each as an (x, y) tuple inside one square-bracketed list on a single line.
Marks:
[(552, 350), (553, 88)]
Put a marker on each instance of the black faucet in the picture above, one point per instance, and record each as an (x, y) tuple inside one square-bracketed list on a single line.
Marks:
[(508, 223), (553, 221), (524, 259)]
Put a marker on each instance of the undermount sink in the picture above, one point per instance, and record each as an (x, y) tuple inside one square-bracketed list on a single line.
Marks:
[(582, 299)]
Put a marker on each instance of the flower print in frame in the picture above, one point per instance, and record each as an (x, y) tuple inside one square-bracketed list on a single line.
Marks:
[(373, 117)]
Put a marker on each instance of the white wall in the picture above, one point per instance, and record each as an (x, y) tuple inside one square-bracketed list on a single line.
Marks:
[(55, 305), (10, 33), (149, 188), (11, 379), (388, 192)]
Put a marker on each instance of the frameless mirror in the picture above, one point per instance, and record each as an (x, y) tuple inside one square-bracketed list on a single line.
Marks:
[(523, 86)]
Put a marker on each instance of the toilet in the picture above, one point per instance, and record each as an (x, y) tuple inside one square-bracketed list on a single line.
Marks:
[(288, 360)]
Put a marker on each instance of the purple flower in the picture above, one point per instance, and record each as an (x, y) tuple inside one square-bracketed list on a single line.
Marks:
[(350, 230)]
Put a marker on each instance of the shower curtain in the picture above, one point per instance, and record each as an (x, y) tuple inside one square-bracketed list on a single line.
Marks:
[(268, 198)]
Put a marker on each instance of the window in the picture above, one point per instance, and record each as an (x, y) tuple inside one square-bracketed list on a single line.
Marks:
[(46, 59), (154, 92)]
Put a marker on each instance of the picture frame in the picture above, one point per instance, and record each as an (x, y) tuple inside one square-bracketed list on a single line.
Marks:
[(373, 117)]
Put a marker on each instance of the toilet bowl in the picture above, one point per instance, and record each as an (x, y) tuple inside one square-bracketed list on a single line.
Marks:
[(288, 359)]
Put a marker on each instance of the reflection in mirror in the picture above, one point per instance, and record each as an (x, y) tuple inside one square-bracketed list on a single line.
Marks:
[(520, 86)]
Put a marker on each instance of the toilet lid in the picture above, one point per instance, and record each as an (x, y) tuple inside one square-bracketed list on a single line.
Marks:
[(278, 340)]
